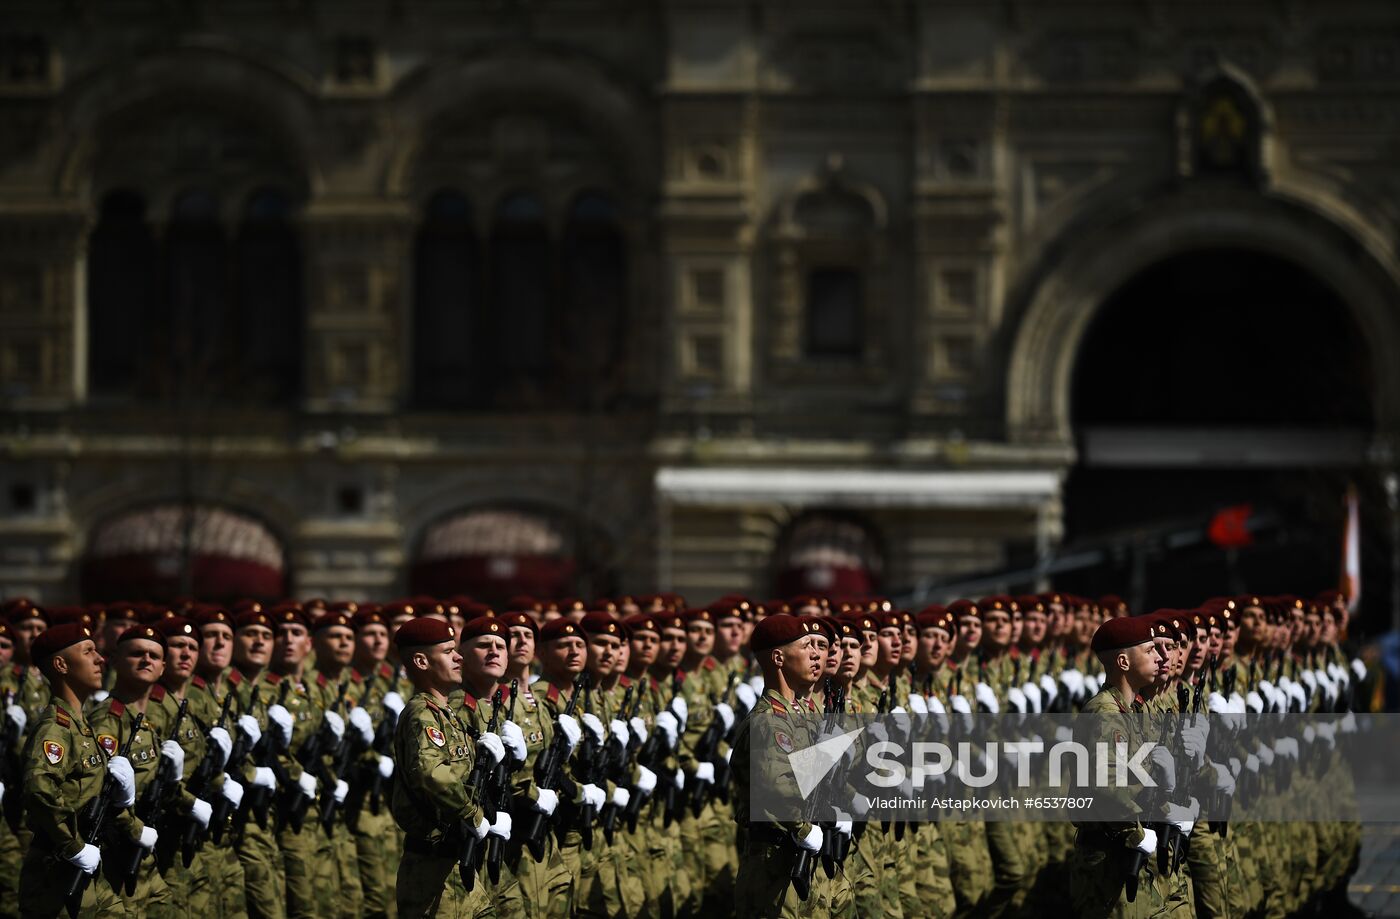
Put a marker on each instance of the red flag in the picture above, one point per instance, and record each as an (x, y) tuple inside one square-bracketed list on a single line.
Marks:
[(1351, 552), (1229, 529)]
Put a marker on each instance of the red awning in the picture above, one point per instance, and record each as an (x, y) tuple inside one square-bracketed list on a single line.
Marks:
[(492, 555), (139, 556), (828, 555)]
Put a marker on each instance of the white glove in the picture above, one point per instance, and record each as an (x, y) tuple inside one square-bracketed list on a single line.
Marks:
[(1251, 762), (100, 696), (263, 778), (514, 739), (917, 705), (756, 683), (1224, 781), (746, 696), (17, 715), (482, 828), (680, 708), (1017, 700), (593, 795), (986, 698), (935, 706), (1265, 754), (489, 744), (1309, 735), (878, 731), (1254, 702), (1358, 668), (1032, 694), (618, 727), (639, 728), (621, 797), (336, 724), (87, 858), (1183, 817), (1235, 766), (1074, 681), (120, 768), (572, 731), (1047, 683), (1149, 841), (282, 718), (501, 827), (148, 837), (726, 714), (1287, 746), (1064, 733), (200, 812), (249, 726), (1193, 741), (860, 806), (898, 710), (960, 705), (1266, 689), (341, 792), (1091, 686), (307, 783), (812, 842), (1217, 704), (1237, 703), (223, 741), (1295, 692), (359, 720), (394, 703), (232, 791), (176, 754), (546, 800), (680, 780), (705, 772), (1163, 759), (646, 781), (1348, 723), (844, 823), (667, 724), (386, 767), (595, 727)]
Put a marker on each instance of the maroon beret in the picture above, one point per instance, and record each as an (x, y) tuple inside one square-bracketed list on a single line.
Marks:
[(519, 620), (176, 626), (328, 620), (559, 628), (962, 609), (422, 632), (142, 632), (861, 622), (776, 631), (732, 608), (367, 616), (598, 623), (642, 622), (58, 615), (397, 608), (20, 609), (51, 641), (288, 613), (936, 617), (825, 625), (483, 625), (251, 617), (699, 615), (521, 603), (1123, 632)]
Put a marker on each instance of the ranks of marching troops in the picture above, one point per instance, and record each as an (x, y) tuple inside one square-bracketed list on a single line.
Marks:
[(440, 758)]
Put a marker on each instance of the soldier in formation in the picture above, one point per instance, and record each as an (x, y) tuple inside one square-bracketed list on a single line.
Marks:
[(441, 758)]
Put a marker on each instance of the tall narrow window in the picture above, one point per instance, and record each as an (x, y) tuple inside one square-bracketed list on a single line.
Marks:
[(447, 365), (522, 308), (122, 295), (269, 316), (594, 296), (201, 334), (834, 313)]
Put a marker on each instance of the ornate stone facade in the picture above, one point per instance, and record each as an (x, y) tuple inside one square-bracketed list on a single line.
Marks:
[(865, 237)]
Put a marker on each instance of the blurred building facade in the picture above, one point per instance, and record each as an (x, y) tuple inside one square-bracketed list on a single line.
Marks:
[(608, 295)]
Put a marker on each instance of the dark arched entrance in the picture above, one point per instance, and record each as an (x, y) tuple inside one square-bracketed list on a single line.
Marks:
[(1217, 378)]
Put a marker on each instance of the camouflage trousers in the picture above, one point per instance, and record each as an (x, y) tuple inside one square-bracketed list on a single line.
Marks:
[(1098, 889), (763, 888), (546, 886), (310, 871), (429, 887), (41, 892), (264, 879), (12, 848), (151, 895), (969, 865), (378, 842)]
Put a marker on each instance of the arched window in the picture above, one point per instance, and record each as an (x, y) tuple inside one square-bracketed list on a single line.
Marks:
[(594, 293), (447, 370), (199, 327), (269, 299), (521, 307), (122, 295)]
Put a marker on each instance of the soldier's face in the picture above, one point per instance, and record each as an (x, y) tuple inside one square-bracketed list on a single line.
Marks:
[(564, 656), (522, 645), (602, 654), (672, 647), (909, 643), (112, 630), (1197, 651), (869, 649), (624, 655), (1329, 632), (335, 643), (372, 642), (24, 632), (439, 666), (81, 666), (850, 657), (1216, 644), (933, 648), (891, 642), (802, 663), (181, 654), (996, 628), (1032, 628), (484, 658), (969, 633), (731, 635), (645, 646), (1251, 623), (7, 651), (1227, 641), (292, 644), (700, 636), (831, 656), (253, 646), (1145, 663), (216, 645), (139, 661)]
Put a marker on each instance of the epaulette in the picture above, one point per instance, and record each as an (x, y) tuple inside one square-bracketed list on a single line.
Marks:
[(199, 683), (117, 708), (624, 681), (385, 670), (355, 676), (60, 718), (708, 663), (235, 676), (321, 680), (273, 678), (553, 693), (18, 670), (680, 675), (469, 700), (158, 693), (655, 686), (430, 703), (778, 706)]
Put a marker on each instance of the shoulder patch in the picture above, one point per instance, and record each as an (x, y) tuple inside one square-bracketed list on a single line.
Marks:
[(108, 743), (435, 735), (273, 678), (158, 693), (783, 741), (198, 681), (53, 752), (117, 708)]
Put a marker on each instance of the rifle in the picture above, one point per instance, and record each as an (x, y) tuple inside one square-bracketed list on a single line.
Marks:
[(11, 769), (343, 760), (383, 744), (588, 763), (495, 847), (150, 809), (614, 760), (723, 774), (803, 866), (672, 798), (72, 879), (706, 749), (634, 745), (203, 777), (548, 773), (1138, 858), (259, 800), (476, 789), (309, 756)]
